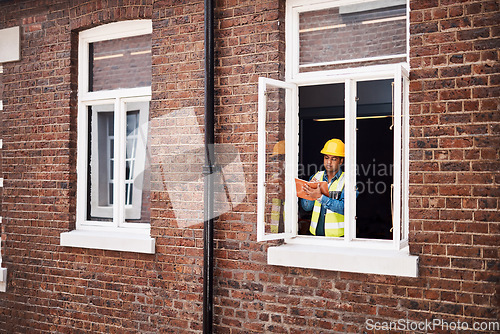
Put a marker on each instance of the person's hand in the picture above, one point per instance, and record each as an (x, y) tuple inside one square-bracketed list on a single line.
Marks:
[(312, 192)]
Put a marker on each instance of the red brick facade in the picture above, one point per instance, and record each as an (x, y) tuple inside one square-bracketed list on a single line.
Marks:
[(454, 154)]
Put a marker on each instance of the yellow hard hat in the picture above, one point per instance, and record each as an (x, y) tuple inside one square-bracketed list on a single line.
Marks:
[(334, 147), (279, 148)]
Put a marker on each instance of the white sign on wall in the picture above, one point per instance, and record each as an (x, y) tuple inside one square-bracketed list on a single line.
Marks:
[(10, 44)]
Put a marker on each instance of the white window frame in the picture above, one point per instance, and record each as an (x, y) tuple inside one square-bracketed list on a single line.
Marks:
[(132, 211), (390, 257), (116, 234), (290, 158)]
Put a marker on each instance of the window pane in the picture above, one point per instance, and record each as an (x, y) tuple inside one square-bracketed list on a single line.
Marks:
[(101, 161), (137, 163), (131, 153), (375, 156), (120, 63), (321, 117), (275, 160), (335, 38)]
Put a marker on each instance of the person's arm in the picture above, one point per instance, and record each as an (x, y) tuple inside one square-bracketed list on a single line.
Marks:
[(306, 204), (335, 205)]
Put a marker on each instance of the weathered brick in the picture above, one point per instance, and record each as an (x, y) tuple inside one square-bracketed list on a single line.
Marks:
[(455, 71), (455, 215), (456, 94), (456, 23)]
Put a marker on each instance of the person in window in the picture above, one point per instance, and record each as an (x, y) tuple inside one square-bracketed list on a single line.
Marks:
[(328, 211)]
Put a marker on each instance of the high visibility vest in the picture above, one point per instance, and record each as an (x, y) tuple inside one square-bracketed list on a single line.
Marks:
[(277, 215), (334, 222)]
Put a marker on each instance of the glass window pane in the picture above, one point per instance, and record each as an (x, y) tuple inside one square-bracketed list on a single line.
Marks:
[(332, 38), (275, 160), (120, 63), (101, 162), (321, 117), (131, 149), (375, 159), (137, 163)]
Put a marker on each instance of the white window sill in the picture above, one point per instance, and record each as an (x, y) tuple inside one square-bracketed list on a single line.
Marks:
[(109, 240), (357, 260), (3, 279)]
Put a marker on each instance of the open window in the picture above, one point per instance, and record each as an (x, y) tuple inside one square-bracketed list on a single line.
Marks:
[(370, 116), (360, 97), (276, 169), (113, 183)]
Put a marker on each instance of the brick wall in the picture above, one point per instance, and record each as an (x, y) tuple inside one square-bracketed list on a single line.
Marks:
[(1, 85), (37, 154), (454, 187), (454, 152), (2, 238)]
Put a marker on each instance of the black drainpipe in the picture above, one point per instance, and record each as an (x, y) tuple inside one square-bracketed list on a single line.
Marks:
[(208, 171)]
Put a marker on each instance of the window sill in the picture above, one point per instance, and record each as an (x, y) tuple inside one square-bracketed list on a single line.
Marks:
[(3, 279), (368, 261), (109, 240)]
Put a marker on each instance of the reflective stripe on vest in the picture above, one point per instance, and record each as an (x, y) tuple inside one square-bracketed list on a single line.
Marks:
[(334, 222)]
